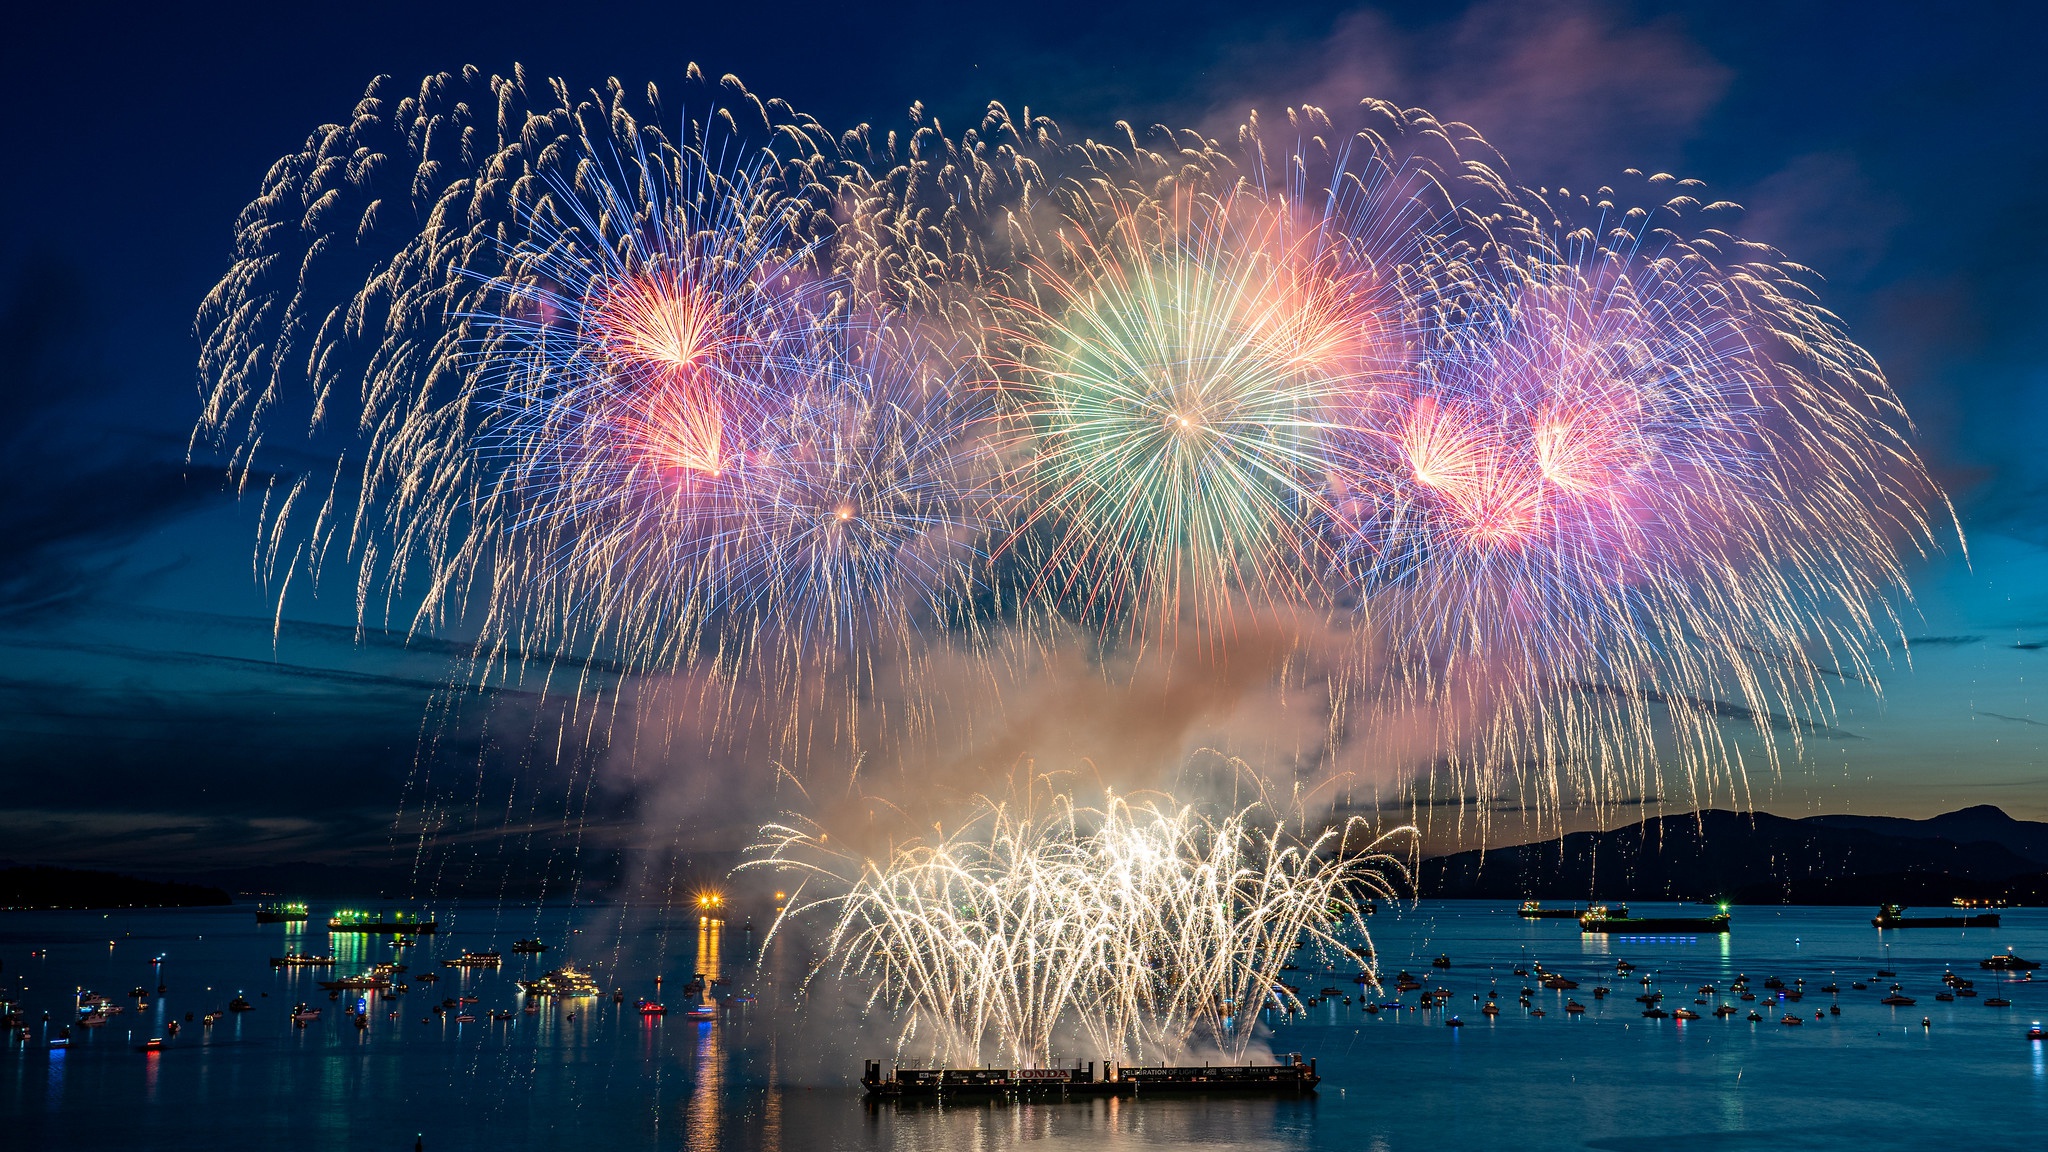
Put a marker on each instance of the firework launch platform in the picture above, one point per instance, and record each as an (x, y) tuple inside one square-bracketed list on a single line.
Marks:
[(1292, 1078)]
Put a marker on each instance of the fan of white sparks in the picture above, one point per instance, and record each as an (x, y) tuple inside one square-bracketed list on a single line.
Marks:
[(1155, 930)]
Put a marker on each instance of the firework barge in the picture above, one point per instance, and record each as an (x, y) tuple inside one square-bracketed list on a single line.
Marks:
[(1290, 1079)]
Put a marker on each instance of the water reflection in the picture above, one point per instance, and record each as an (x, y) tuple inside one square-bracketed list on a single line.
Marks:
[(702, 1113)]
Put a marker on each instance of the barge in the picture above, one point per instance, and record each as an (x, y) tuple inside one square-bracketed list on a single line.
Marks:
[(280, 913), (1534, 910), (388, 923), (1894, 916), (1295, 1077), (1599, 919)]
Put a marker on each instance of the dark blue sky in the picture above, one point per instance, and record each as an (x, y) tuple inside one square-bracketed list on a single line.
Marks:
[(147, 713)]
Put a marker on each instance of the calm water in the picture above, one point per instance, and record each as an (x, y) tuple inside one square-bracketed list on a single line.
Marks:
[(775, 1075)]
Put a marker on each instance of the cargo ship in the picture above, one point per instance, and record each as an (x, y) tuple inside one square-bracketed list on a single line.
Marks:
[(280, 913), (348, 920), (1534, 910), (1292, 1078), (1894, 916), (1599, 918)]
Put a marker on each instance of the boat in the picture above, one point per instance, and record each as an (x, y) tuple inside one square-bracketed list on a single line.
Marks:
[(1440, 962), (280, 913), (1897, 1001), (2007, 962), (392, 923), (1725, 1010), (2035, 1033), (475, 960), (1573, 1008), (650, 1008), (565, 981), (1755, 1016), (301, 960), (1791, 1019), (1599, 918), (153, 1044), (240, 1004), (1685, 1014), (1656, 1013), (528, 946), (1291, 1078), (1997, 1002), (1894, 916), (378, 977), (1534, 910)]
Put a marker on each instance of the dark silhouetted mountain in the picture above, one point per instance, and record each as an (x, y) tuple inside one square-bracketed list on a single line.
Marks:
[(1760, 858), (76, 888), (1985, 822)]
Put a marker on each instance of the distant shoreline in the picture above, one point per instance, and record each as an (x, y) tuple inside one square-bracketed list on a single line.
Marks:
[(44, 889)]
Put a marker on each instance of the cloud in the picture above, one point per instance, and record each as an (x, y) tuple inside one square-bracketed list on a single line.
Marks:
[(67, 492), (2013, 719)]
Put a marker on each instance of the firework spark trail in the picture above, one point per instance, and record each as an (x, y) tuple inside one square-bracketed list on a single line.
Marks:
[(1152, 928), (1635, 463)]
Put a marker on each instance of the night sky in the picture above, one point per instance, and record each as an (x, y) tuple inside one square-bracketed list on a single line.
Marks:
[(152, 712)]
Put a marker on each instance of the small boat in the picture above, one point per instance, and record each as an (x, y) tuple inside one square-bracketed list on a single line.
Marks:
[(1491, 1009), (1454, 1022), (239, 1004), (1897, 1001), (1441, 961), (1755, 1016), (301, 960), (465, 1018), (1945, 997), (1791, 1019), (1573, 1008), (650, 1008), (1831, 987), (468, 959), (1685, 1014), (528, 946), (1997, 1002), (1656, 1013), (1725, 1011), (1536, 1012), (2035, 1033), (1834, 1010), (153, 1044), (1534, 910), (565, 981), (2008, 963)]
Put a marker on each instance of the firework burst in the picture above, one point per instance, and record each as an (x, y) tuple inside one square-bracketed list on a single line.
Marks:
[(1149, 927)]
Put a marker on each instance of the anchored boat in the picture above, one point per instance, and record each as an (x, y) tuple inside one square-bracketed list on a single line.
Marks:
[(1894, 916), (408, 923), (1599, 918), (1292, 1078)]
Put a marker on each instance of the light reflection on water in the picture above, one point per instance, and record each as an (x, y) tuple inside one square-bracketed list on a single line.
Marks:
[(776, 1075)]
